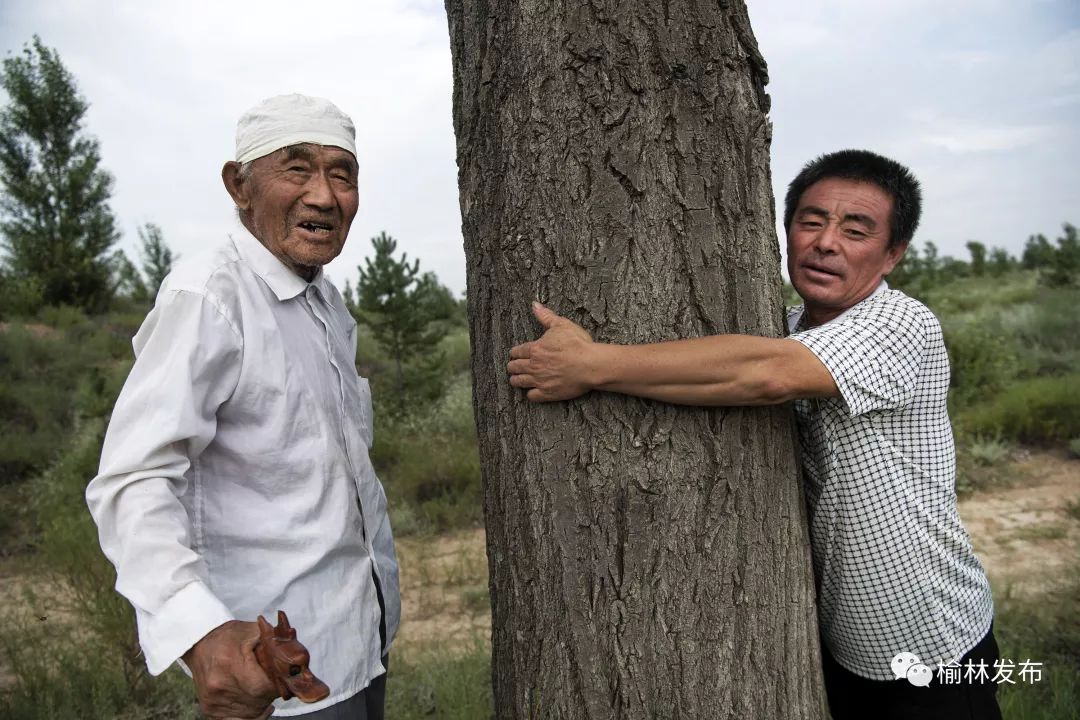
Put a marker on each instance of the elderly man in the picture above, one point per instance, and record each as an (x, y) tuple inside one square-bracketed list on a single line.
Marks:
[(235, 478), (867, 369)]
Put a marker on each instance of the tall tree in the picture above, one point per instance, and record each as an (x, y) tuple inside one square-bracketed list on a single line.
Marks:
[(403, 308), (646, 560), (1000, 262), (1038, 252), (978, 257), (54, 215), (156, 257)]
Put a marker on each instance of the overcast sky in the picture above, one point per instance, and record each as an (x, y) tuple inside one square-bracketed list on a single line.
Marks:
[(981, 98)]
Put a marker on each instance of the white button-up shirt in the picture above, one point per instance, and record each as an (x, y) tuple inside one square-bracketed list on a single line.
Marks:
[(235, 478)]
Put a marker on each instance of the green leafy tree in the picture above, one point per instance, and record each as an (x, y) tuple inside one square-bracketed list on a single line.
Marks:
[(1038, 252), (157, 258), (126, 279), (55, 222), (407, 312), (978, 257), (931, 263), (1001, 262), (906, 274), (1065, 264), (952, 268)]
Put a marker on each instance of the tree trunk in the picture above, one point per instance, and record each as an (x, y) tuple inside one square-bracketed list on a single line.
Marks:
[(647, 560)]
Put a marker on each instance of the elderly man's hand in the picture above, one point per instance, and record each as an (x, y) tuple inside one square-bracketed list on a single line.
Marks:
[(558, 365), (229, 681)]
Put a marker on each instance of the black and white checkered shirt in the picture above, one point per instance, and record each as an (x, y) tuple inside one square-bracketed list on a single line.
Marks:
[(895, 568)]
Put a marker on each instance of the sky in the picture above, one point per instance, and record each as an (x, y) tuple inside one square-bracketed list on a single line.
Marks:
[(980, 98)]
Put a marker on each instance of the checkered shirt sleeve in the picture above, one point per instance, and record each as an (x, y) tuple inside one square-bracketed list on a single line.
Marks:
[(876, 357)]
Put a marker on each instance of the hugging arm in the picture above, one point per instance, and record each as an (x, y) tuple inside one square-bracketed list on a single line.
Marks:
[(716, 370)]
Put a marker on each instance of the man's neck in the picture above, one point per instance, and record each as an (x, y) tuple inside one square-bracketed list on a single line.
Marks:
[(814, 316)]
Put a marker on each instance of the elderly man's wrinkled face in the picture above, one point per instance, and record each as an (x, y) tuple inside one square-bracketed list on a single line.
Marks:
[(299, 202)]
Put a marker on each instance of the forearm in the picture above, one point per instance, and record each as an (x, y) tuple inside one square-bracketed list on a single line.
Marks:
[(716, 370)]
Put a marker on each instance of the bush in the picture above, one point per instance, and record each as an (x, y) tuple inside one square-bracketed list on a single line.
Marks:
[(983, 359), (47, 378), (19, 297), (430, 461), (1040, 411), (61, 317), (82, 659), (988, 451), (1050, 330)]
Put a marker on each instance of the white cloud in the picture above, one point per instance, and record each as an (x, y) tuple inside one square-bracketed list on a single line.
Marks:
[(972, 139)]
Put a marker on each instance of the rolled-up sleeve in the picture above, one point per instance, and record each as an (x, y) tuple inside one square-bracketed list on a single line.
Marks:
[(188, 362)]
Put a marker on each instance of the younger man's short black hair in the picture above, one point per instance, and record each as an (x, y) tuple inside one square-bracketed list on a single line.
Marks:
[(864, 166)]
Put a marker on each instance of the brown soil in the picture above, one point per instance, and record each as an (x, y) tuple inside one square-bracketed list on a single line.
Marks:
[(444, 592), (1028, 535)]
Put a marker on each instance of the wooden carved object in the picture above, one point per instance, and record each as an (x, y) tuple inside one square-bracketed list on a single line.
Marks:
[(285, 661)]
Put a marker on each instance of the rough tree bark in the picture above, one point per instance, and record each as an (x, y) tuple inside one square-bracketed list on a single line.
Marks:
[(647, 560)]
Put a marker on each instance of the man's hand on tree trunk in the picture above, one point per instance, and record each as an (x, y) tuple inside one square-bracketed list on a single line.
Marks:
[(229, 681), (558, 366)]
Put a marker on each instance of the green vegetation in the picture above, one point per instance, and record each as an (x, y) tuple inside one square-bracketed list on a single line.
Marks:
[(70, 309), (57, 226), (408, 314), (448, 686), (1046, 630)]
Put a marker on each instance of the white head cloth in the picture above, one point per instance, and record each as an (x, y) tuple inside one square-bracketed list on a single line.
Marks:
[(285, 120)]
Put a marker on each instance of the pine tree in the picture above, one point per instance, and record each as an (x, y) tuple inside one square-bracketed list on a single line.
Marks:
[(157, 258), (55, 222), (403, 308)]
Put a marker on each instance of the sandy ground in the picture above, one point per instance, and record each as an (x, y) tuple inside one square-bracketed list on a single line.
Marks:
[(1027, 535)]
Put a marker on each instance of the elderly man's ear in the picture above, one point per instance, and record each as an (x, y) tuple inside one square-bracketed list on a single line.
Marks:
[(238, 190)]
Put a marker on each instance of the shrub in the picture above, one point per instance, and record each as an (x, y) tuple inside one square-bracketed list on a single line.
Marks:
[(19, 296), (94, 670), (47, 377), (430, 461), (1041, 411), (988, 451), (61, 317), (1050, 330), (983, 359)]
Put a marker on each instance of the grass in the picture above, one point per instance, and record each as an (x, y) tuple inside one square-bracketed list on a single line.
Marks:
[(1047, 630), (444, 685), (1038, 411), (1051, 531)]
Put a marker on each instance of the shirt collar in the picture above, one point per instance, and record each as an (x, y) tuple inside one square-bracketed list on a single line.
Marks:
[(282, 281), (795, 322)]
